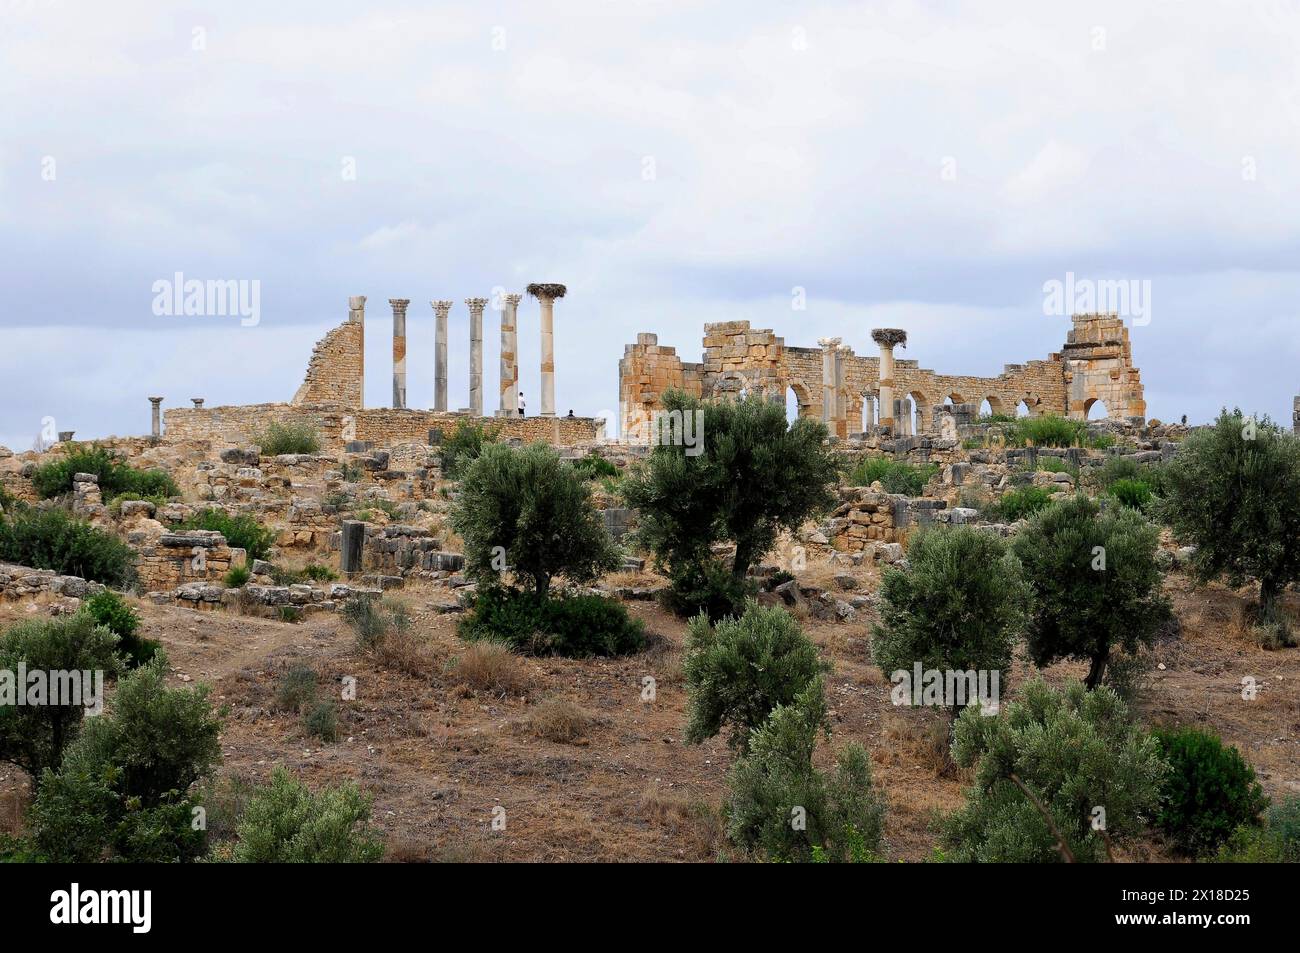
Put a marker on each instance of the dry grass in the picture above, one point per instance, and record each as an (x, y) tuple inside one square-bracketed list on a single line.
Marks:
[(664, 659), (560, 721), (489, 667), (682, 817), (407, 652)]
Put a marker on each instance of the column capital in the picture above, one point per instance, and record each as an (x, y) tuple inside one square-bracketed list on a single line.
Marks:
[(399, 304), (357, 303), (829, 343), (476, 305), (514, 299), (155, 400), (442, 306)]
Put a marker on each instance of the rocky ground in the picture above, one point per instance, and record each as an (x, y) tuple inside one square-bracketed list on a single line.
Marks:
[(608, 777)]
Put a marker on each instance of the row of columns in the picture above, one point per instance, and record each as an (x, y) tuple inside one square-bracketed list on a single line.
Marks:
[(508, 404)]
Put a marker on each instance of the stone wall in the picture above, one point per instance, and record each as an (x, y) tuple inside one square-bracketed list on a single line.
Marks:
[(336, 371), (20, 582), (175, 559), (1096, 364), (384, 427)]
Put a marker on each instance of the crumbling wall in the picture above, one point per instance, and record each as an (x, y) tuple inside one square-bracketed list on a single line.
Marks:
[(336, 371), (1095, 364)]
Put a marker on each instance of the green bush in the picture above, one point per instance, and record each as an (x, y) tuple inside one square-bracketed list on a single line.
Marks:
[(749, 476), (116, 478), (576, 626), (113, 612), (237, 577), (706, 586), (318, 572), (527, 512), (1018, 504), (941, 614), (1095, 582), (595, 467), (296, 688), (54, 539), (373, 620), (739, 670), (122, 789), (1209, 792), (285, 823), (241, 532), (33, 737), (464, 446), (1233, 491), (1133, 493), (1276, 842), (782, 806), (1048, 431), (895, 475), (322, 721), (1075, 751), (291, 437)]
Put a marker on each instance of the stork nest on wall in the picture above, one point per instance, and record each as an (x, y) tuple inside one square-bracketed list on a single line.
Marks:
[(889, 337), (546, 290)]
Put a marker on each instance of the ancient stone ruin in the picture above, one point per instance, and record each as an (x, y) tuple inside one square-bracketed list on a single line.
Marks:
[(854, 394), (331, 397)]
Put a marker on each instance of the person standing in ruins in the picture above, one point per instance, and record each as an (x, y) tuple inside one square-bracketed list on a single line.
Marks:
[(521, 404)]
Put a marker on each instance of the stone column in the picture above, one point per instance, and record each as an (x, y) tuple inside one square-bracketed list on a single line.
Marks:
[(842, 402), (157, 416), (399, 350), (888, 339), (829, 348), (868, 412), (546, 293), (357, 315), (509, 405), (198, 402), (440, 311), (476, 306), (352, 546), (907, 417)]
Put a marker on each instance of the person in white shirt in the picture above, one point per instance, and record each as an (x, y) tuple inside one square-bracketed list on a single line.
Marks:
[(521, 404)]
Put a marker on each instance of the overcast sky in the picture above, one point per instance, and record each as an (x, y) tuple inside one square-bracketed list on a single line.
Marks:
[(920, 165)]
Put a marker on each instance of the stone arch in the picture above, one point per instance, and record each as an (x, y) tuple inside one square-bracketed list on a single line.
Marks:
[(996, 404), (922, 412), (803, 404), (1090, 403)]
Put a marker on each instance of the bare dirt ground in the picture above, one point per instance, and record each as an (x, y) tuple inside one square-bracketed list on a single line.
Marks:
[(439, 757)]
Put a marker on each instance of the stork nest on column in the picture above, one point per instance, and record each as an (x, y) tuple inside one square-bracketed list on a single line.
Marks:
[(546, 290), (889, 337)]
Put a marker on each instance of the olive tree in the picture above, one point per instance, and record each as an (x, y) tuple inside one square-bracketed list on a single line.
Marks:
[(528, 511), (742, 477), (1095, 582), (1233, 491)]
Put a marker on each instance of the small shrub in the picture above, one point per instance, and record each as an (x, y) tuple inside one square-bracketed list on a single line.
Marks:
[(775, 783), (568, 625), (54, 539), (1018, 504), (237, 577), (110, 610), (241, 532), (895, 475), (489, 667), (595, 467), (322, 721), (739, 670), (464, 446), (373, 620), (1209, 792), (122, 788), (706, 586), (285, 823), (1134, 494), (1276, 842), (291, 437), (560, 721), (319, 573), (116, 478), (296, 688), (1073, 750), (290, 614)]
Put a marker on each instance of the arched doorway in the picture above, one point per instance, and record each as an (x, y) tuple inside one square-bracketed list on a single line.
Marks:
[(1099, 406)]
